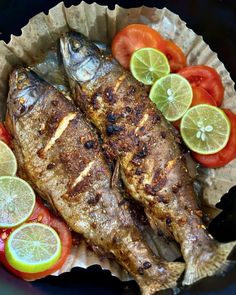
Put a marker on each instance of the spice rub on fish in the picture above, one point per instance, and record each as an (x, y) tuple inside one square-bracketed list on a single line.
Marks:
[(59, 154), (152, 164)]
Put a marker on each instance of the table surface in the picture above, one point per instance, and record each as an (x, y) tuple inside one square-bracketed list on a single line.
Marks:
[(216, 22)]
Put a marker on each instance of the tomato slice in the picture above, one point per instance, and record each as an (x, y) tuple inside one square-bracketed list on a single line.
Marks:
[(4, 135), (224, 156), (207, 78), (175, 55), (200, 96), (133, 37), (40, 213), (65, 237)]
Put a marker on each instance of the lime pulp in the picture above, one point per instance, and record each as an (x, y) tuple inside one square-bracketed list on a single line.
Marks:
[(205, 129), (148, 65), (8, 165), (17, 201), (172, 95), (33, 247)]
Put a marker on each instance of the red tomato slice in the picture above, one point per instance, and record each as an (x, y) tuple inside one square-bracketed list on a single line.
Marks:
[(207, 78), (4, 135), (224, 156), (66, 240), (175, 55), (200, 96), (40, 213), (133, 37)]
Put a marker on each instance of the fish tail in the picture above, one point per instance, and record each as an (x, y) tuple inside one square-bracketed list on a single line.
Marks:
[(154, 285), (209, 265)]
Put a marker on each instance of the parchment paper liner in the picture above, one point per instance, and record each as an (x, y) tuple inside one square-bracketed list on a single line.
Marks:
[(99, 23)]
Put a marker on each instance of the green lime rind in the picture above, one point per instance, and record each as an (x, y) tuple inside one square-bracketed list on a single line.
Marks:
[(148, 65), (172, 95), (205, 129), (33, 248), (8, 164), (17, 201)]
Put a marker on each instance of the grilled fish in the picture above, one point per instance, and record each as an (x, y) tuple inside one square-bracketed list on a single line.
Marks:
[(152, 165), (58, 152)]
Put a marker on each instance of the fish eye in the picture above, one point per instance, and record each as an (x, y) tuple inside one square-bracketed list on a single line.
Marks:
[(75, 44), (21, 77)]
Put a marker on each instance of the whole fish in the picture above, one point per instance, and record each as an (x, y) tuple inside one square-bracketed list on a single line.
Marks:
[(136, 134), (58, 152)]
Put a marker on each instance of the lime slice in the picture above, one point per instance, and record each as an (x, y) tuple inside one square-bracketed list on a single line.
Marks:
[(33, 247), (149, 64), (17, 200), (205, 129), (172, 95), (8, 165)]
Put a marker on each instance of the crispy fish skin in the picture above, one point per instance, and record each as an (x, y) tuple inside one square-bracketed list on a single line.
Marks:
[(152, 164), (59, 153)]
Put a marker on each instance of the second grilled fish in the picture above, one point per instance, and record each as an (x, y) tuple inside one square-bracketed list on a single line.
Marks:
[(59, 154), (152, 164)]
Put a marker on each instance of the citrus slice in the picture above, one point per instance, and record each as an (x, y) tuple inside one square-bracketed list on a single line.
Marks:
[(33, 247), (172, 95), (8, 165), (17, 200), (205, 129), (149, 64)]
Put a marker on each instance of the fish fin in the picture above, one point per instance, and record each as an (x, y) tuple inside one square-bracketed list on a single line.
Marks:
[(152, 286), (115, 180), (161, 245), (218, 264)]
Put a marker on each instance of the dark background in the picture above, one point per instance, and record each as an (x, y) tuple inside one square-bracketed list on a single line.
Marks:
[(216, 21)]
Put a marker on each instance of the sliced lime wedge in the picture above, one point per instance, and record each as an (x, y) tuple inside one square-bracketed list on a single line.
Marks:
[(33, 247), (205, 129), (8, 165), (149, 64), (17, 200), (172, 95)]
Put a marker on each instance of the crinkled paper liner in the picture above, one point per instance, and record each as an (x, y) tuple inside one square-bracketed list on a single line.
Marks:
[(100, 23)]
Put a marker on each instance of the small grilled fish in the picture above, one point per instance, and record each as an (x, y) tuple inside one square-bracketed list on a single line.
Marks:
[(152, 163), (58, 152)]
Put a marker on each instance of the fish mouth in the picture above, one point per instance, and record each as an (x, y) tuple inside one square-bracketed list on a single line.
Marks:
[(24, 91)]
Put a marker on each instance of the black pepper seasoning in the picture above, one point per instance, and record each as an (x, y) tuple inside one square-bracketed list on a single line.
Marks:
[(147, 265), (168, 220), (89, 144), (141, 270)]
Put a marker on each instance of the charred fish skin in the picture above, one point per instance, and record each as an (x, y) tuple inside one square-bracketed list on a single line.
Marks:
[(152, 166), (59, 154)]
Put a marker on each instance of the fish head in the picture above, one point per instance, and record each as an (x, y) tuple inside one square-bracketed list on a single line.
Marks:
[(81, 57), (25, 89)]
